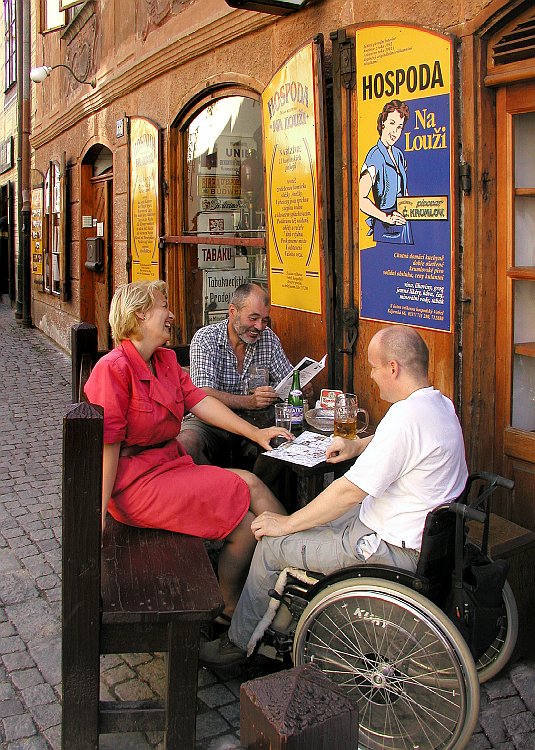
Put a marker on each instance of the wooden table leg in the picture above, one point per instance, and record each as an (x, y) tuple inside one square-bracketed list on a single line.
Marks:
[(181, 700)]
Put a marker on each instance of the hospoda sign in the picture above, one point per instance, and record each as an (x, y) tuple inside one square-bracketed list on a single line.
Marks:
[(292, 195), (405, 168)]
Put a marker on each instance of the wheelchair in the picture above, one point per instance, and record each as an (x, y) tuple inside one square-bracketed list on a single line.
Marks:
[(384, 636)]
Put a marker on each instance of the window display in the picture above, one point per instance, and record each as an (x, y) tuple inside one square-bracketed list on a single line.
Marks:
[(225, 198)]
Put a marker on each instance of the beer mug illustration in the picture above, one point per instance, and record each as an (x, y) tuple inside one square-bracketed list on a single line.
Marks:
[(348, 418)]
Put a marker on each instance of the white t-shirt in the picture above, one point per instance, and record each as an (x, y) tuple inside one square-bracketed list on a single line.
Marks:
[(414, 463)]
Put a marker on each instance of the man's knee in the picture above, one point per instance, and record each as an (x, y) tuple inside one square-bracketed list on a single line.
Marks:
[(194, 444)]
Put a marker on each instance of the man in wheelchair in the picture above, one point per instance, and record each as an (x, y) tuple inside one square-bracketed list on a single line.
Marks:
[(375, 513)]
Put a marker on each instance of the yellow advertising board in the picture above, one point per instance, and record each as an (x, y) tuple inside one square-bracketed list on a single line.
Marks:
[(144, 200), (37, 232), (293, 236)]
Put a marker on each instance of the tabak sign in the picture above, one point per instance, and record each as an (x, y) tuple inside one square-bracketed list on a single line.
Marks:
[(405, 173)]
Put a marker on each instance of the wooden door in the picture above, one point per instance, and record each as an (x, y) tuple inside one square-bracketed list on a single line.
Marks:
[(102, 289), (515, 329), (96, 286)]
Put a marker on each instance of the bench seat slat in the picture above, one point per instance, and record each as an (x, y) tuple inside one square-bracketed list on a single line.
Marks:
[(147, 576)]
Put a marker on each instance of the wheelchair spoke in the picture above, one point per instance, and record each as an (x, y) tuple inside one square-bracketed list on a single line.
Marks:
[(401, 669)]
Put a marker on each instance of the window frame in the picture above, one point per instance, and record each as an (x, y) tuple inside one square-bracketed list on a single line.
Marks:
[(10, 44), (59, 18), (53, 216), (177, 267), (516, 443)]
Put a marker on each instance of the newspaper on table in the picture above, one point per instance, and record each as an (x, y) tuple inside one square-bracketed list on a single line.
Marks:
[(308, 368), (306, 450)]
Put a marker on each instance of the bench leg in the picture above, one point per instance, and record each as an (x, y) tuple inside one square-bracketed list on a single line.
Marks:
[(181, 701), (80, 682)]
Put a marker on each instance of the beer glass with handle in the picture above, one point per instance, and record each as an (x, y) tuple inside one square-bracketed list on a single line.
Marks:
[(346, 411)]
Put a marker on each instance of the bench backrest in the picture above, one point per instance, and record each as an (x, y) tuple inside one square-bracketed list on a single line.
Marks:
[(85, 352)]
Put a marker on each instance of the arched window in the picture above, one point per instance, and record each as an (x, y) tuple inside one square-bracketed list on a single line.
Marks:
[(224, 214)]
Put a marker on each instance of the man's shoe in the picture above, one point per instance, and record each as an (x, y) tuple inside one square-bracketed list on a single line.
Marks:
[(221, 653)]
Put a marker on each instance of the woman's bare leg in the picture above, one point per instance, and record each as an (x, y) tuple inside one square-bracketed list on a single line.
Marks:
[(234, 560), (236, 554), (261, 496)]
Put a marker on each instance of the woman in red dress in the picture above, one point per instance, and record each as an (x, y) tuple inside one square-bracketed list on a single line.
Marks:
[(148, 478)]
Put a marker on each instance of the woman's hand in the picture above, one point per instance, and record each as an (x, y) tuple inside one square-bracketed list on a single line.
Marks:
[(264, 436), (270, 524), (394, 218)]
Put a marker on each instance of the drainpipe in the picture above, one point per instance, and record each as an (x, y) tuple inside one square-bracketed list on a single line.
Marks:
[(23, 310)]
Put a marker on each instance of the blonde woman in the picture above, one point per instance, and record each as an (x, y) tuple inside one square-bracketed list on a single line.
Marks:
[(148, 478)]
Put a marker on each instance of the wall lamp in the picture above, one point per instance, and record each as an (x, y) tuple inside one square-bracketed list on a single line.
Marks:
[(275, 7), (38, 75)]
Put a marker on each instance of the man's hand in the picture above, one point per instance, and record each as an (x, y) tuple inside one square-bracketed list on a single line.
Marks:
[(264, 436), (341, 450), (270, 524), (262, 397), (308, 393)]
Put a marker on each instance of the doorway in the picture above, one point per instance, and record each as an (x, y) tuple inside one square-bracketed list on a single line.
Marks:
[(96, 237)]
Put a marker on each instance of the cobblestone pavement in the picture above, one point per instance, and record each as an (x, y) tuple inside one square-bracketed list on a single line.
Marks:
[(34, 393)]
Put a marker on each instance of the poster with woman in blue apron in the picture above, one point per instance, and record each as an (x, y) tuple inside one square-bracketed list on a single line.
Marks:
[(405, 168)]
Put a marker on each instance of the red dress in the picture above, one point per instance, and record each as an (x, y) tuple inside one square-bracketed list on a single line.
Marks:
[(160, 487)]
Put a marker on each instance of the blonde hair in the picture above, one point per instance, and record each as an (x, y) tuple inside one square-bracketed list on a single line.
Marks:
[(129, 299)]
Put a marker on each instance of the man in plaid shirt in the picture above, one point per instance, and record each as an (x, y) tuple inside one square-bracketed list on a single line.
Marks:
[(221, 357)]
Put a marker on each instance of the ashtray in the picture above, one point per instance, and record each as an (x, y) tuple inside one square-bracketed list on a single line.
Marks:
[(321, 419)]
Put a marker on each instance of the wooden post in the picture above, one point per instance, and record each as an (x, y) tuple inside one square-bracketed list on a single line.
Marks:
[(84, 340), (82, 486), (298, 709)]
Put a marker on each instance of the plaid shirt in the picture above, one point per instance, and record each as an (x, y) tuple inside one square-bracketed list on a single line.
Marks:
[(213, 362)]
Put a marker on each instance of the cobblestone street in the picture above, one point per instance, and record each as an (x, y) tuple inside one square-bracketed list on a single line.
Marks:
[(34, 394)]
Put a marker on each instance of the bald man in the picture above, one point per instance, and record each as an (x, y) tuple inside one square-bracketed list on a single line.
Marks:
[(375, 513)]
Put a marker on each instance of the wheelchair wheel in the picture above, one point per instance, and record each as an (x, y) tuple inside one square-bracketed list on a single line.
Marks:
[(399, 657), (500, 650)]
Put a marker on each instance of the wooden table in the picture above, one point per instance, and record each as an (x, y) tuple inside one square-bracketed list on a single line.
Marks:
[(301, 484)]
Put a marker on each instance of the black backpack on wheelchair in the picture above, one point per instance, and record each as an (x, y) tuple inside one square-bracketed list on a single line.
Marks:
[(410, 649)]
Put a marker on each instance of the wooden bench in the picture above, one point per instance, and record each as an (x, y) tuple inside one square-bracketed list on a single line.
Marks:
[(143, 591)]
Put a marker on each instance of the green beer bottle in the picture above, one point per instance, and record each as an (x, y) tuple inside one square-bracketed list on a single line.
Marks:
[(295, 399)]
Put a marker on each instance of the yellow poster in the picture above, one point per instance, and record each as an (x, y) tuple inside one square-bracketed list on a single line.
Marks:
[(293, 236), (144, 200), (37, 232)]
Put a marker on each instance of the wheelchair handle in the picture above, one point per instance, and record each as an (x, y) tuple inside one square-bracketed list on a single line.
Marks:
[(465, 511), (497, 480)]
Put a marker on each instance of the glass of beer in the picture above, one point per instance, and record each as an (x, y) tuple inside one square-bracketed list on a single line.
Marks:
[(258, 376), (349, 420)]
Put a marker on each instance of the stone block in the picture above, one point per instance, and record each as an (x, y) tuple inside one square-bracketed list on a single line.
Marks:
[(296, 709)]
